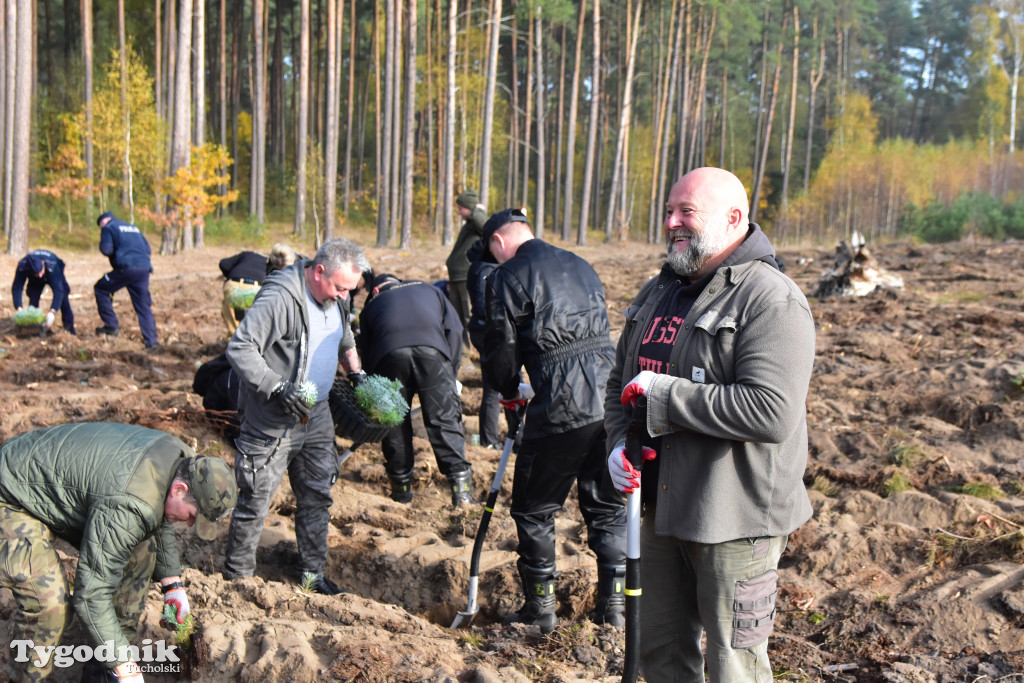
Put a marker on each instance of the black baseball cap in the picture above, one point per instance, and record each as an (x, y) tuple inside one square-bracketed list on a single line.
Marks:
[(493, 224)]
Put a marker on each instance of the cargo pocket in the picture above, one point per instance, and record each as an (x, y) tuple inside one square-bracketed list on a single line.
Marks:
[(255, 451), (753, 610)]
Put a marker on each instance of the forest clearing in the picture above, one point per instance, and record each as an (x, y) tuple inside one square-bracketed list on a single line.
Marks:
[(912, 568)]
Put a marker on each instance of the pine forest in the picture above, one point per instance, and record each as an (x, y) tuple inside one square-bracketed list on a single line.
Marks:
[(891, 117)]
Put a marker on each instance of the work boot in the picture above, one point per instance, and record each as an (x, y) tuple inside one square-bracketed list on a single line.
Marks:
[(462, 487), (539, 590), (401, 487), (324, 586), (611, 596), (108, 331)]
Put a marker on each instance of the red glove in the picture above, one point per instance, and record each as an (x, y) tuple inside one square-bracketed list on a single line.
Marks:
[(638, 386), (624, 476), (177, 599), (521, 398)]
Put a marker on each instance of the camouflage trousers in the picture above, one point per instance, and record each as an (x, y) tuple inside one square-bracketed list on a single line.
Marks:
[(30, 567)]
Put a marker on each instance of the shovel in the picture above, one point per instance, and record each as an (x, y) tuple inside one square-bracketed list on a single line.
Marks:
[(464, 618), (634, 453)]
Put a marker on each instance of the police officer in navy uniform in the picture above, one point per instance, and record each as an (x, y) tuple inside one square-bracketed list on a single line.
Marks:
[(128, 251), (39, 269)]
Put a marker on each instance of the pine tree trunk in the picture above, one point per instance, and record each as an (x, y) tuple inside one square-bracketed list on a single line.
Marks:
[(299, 227), (815, 76), (126, 169), (23, 36), (181, 136), (409, 126), (788, 160), (762, 159), (448, 168), (595, 96), (570, 142), (86, 7), (352, 35), (331, 123), (538, 220), (198, 229), (494, 37), (385, 128), (616, 221)]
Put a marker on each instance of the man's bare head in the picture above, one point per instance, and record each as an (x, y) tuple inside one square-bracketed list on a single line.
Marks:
[(705, 220)]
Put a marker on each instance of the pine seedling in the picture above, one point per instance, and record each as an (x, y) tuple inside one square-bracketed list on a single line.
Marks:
[(308, 392), (381, 399), (183, 631), (308, 580), (29, 316)]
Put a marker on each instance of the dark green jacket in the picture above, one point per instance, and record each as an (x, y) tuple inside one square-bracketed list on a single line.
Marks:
[(101, 487), (472, 229)]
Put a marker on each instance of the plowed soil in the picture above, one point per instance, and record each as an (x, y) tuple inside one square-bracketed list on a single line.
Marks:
[(912, 568)]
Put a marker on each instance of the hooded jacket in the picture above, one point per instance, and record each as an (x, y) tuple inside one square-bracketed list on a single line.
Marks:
[(458, 262), (546, 312), (101, 487), (730, 417), (271, 345)]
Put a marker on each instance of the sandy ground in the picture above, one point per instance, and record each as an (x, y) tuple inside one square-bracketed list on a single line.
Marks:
[(920, 386)]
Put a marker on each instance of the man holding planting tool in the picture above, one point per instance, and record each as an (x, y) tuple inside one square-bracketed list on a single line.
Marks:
[(39, 269), (546, 312), (721, 344), (113, 491), (286, 352), (410, 332), (128, 251)]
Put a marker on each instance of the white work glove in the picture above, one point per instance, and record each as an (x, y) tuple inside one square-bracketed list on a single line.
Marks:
[(50, 317), (177, 599), (624, 476), (458, 387), (638, 386), (525, 393), (128, 672)]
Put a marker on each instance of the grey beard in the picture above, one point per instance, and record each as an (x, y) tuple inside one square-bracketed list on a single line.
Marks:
[(698, 252)]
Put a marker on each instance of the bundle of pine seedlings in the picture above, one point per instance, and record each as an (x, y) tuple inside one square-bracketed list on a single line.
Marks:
[(381, 400), (30, 316)]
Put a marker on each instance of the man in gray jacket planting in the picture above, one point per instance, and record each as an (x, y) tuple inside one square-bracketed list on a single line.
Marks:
[(722, 344), (292, 339)]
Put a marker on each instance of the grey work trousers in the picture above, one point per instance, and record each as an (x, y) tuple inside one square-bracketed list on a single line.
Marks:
[(726, 589), (309, 455)]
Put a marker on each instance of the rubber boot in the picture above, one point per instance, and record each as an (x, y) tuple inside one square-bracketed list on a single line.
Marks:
[(539, 591), (401, 487), (462, 487), (611, 596)]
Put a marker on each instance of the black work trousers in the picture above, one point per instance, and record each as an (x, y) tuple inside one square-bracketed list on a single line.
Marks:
[(489, 408), (424, 371), (546, 468)]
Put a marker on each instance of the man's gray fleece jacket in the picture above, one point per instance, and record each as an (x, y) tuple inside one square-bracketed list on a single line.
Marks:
[(732, 413), (271, 345)]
